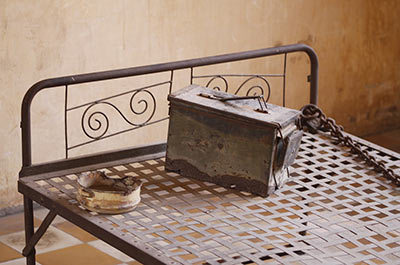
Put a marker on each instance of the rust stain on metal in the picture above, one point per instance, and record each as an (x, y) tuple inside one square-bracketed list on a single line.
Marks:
[(227, 181), (99, 193)]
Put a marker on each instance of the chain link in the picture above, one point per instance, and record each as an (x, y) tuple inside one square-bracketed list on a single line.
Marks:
[(315, 120)]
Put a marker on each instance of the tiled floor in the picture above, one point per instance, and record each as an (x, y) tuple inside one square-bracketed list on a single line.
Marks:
[(62, 244), (65, 243)]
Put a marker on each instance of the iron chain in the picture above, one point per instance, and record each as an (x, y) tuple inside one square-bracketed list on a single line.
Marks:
[(315, 120)]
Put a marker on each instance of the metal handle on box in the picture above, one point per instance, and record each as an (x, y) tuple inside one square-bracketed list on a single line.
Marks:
[(260, 98)]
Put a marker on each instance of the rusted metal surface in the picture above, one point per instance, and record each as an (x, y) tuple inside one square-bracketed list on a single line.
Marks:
[(333, 211), (230, 142), (89, 162), (99, 193)]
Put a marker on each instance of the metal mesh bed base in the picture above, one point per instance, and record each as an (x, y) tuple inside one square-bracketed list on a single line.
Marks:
[(335, 210)]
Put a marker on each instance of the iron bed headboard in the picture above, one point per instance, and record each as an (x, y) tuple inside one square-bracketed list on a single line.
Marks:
[(28, 169)]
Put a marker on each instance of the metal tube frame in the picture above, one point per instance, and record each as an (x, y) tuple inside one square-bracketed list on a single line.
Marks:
[(65, 81), (155, 68)]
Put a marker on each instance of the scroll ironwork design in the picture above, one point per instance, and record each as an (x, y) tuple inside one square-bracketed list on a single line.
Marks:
[(263, 89), (98, 121), (216, 87), (256, 87), (96, 118)]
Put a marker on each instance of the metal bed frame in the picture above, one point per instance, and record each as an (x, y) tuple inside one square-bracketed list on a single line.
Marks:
[(335, 210)]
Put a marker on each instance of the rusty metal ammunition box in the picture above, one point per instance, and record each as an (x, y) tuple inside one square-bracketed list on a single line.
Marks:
[(213, 136)]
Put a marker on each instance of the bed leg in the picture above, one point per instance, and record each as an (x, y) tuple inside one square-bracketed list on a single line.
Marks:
[(29, 228)]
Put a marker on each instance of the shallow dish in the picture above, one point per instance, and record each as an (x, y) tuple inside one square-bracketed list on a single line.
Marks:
[(99, 193)]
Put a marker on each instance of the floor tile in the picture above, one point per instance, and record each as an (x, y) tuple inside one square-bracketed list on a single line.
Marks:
[(134, 263), (21, 261), (7, 253), (77, 255), (13, 223), (51, 240), (41, 213), (75, 231), (106, 248)]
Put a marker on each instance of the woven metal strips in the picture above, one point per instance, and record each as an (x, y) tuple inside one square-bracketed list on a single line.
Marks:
[(334, 211)]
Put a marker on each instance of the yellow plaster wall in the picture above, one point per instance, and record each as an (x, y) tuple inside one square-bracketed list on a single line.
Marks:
[(358, 43)]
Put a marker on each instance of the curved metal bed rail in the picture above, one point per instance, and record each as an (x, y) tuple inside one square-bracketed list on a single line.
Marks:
[(155, 68)]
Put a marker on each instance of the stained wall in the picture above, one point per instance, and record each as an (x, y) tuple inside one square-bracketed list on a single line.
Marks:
[(358, 44)]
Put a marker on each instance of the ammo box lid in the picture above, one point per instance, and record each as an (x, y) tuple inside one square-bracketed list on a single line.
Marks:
[(195, 97)]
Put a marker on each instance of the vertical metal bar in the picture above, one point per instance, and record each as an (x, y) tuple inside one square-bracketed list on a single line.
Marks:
[(26, 134), (29, 228), (284, 80), (170, 81), (66, 122), (314, 73), (191, 75)]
